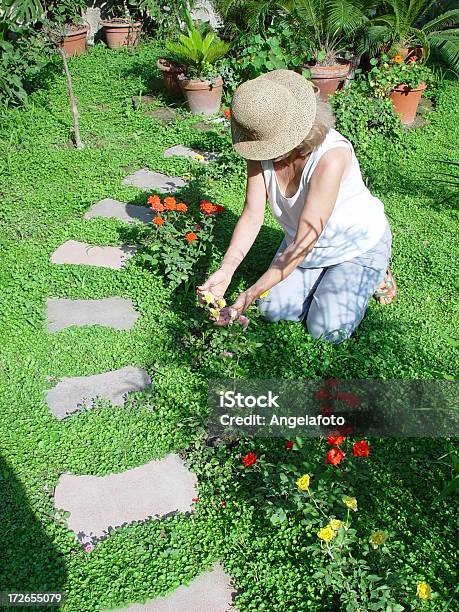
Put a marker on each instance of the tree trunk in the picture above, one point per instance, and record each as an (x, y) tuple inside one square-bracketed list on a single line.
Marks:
[(73, 103)]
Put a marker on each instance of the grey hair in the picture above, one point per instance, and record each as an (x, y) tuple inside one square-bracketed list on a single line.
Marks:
[(323, 123)]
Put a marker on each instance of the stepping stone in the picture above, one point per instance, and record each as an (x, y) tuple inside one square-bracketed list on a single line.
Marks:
[(74, 252), (203, 156), (72, 394), (209, 592), (146, 100), (114, 312), (157, 489), (130, 213), (202, 126), (163, 114), (146, 179)]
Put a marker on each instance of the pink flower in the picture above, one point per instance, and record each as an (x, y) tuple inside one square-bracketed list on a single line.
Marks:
[(88, 547), (244, 321)]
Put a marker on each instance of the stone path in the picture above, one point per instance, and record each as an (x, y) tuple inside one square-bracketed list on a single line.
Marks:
[(147, 179), (163, 114), (157, 489), (115, 312), (73, 394), (99, 504), (209, 592), (130, 213), (74, 252), (203, 156)]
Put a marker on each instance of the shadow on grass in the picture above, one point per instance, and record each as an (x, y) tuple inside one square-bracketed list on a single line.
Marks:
[(30, 563)]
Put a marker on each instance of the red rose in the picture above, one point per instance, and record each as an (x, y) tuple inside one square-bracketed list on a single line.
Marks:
[(361, 449), (335, 456), (348, 398), (335, 439), (249, 459), (322, 394), (289, 444)]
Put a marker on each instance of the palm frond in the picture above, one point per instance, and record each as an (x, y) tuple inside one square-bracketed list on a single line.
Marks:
[(450, 18), (218, 49), (345, 16), (446, 45)]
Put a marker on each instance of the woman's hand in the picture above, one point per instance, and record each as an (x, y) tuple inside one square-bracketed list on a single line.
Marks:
[(217, 283)]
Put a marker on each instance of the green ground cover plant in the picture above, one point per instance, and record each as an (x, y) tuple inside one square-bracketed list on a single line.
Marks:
[(278, 565)]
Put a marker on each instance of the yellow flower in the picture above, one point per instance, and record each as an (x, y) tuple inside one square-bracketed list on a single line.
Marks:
[(214, 313), (326, 534), (335, 524), (303, 482), (350, 502), (423, 591), (199, 157), (221, 302), (208, 297), (398, 59), (264, 294), (377, 538)]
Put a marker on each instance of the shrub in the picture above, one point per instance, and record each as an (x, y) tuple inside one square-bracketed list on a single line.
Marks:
[(361, 117)]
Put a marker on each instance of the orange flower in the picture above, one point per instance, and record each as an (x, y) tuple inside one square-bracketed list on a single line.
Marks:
[(182, 207), (228, 113), (207, 207), (158, 221), (398, 59), (170, 204), (155, 203), (210, 209), (190, 237)]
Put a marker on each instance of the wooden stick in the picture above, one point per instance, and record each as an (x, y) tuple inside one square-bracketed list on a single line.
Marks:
[(73, 102)]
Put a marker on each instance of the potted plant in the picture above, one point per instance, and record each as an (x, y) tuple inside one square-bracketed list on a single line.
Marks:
[(329, 34), (124, 26), (68, 14), (202, 85), (403, 81), (170, 71), (408, 28)]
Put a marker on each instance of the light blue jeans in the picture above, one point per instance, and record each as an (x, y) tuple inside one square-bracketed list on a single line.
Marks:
[(330, 301)]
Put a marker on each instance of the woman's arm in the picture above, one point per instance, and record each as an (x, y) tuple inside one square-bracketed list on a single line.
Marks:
[(320, 201), (245, 232)]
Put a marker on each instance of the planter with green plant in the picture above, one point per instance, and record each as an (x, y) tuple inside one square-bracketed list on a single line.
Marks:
[(403, 81), (415, 28), (203, 84), (124, 25), (67, 14), (326, 32)]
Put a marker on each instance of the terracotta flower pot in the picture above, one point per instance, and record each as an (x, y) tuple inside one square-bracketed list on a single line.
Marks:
[(328, 78), (202, 96), (170, 72), (406, 101), (120, 33), (75, 41)]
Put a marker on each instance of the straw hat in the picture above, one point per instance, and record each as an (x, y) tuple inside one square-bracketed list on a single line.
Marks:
[(272, 114)]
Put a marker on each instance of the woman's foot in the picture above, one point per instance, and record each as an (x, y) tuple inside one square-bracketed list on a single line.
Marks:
[(387, 289)]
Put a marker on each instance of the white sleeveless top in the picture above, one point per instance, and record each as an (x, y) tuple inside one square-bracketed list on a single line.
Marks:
[(357, 222)]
